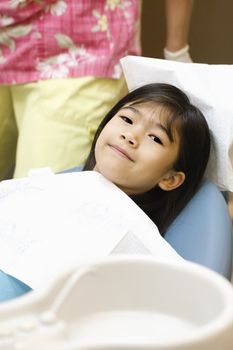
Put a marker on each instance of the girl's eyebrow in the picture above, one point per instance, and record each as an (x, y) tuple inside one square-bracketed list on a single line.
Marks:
[(133, 109), (159, 125), (165, 130)]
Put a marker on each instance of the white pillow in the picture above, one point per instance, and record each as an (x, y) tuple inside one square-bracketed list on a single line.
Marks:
[(210, 88)]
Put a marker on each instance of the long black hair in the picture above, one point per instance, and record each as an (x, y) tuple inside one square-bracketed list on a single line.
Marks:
[(188, 121)]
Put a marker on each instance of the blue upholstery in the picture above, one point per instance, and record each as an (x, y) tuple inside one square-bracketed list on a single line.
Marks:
[(10, 287), (202, 233)]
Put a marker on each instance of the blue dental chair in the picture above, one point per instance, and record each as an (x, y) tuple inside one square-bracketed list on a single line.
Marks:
[(202, 233)]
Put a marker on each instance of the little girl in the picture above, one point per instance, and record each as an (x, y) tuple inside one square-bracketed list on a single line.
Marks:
[(154, 145)]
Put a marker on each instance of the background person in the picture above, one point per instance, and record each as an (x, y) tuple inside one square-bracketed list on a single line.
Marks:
[(59, 75)]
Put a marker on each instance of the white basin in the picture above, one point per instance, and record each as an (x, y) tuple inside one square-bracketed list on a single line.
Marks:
[(125, 302)]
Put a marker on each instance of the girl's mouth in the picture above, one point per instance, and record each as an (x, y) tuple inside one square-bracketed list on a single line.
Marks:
[(121, 152)]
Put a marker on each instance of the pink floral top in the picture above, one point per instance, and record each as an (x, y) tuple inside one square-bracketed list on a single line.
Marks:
[(48, 39)]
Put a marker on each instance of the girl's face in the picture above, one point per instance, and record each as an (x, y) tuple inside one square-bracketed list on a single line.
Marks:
[(135, 152)]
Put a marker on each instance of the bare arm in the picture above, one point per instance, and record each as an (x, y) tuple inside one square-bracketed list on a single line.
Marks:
[(178, 15)]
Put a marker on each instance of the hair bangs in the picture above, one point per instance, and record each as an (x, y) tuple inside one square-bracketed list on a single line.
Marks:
[(170, 116)]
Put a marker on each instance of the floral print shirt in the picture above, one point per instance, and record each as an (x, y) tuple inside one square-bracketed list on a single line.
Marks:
[(49, 39)]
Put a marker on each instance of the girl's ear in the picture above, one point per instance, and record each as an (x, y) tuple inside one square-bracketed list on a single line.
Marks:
[(171, 180)]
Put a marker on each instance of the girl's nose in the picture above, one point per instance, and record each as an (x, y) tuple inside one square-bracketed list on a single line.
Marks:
[(129, 138)]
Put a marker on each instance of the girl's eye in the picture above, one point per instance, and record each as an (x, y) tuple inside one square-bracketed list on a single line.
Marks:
[(126, 119), (156, 139)]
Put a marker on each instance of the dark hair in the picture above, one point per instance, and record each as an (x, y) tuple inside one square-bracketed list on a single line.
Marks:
[(188, 121)]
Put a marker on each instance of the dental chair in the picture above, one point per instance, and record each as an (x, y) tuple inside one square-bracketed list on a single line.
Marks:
[(202, 233)]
